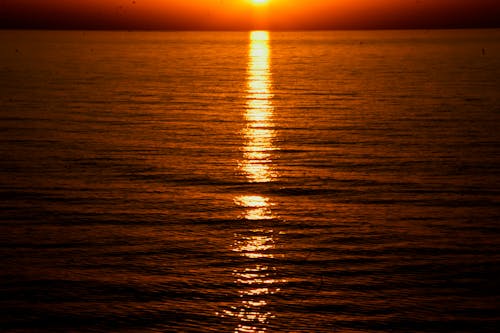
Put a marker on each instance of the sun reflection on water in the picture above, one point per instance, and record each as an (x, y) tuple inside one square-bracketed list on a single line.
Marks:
[(259, 132), (256, 276), (257, 207)]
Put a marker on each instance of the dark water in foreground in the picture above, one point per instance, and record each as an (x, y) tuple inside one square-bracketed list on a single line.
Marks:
[(227, 182)]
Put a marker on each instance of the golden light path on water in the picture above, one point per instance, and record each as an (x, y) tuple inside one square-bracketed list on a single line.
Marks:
[(259, 132), (256, 280)]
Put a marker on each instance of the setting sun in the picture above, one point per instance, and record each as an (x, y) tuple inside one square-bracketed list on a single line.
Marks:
[(247, 15), (259, 2)]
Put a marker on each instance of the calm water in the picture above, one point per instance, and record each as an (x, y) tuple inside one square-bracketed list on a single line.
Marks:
[(250, 182)]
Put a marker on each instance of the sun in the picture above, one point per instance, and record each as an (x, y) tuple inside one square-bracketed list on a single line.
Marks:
[(259, 2)]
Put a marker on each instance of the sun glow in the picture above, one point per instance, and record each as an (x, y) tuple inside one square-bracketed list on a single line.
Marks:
[(259, 2)]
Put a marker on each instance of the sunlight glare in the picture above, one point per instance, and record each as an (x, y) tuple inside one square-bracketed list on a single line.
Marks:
[(257, 207), (258, 35), (259, 133), (259, 2), (256, 282)]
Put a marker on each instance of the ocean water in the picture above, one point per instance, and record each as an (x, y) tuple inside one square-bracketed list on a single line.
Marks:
[(250, 181)]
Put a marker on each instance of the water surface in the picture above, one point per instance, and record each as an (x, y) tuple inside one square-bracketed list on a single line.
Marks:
[(249, 182)]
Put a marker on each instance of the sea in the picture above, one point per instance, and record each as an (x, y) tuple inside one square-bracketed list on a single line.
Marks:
[(327, 181)]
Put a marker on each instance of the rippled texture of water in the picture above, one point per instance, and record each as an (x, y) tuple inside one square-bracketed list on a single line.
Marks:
[(236, 182)]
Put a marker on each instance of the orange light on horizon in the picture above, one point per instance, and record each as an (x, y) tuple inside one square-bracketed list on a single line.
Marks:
[(248, 14)]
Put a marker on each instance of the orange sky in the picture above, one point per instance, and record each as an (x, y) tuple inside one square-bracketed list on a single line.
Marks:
[(242, 15)]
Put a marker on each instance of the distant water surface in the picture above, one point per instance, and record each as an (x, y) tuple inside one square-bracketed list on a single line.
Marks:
[(250, 182)]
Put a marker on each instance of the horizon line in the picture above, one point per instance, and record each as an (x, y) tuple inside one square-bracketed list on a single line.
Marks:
[(246, 30)]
